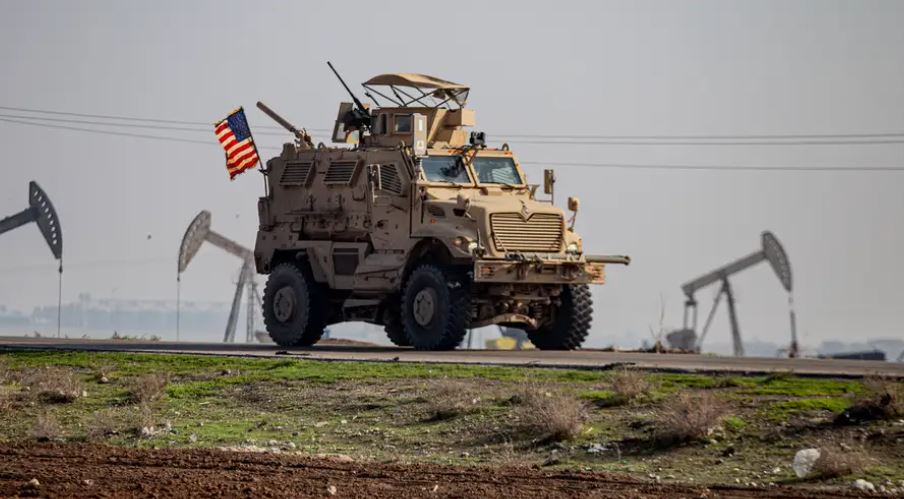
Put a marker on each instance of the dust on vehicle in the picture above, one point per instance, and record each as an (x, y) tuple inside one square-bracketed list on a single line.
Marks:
[(417, 225)]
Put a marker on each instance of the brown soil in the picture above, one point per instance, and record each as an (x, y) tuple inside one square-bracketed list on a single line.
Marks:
[(76, 470)]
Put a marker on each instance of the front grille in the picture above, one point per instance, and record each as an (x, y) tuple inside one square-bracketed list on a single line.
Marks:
[(541, 232)]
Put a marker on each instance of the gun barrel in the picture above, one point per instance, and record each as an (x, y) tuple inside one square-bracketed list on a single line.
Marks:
[(617, 259), (277, 118), (352, 94)]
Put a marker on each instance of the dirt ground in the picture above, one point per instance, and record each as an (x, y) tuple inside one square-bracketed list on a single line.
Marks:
[(83, 470)]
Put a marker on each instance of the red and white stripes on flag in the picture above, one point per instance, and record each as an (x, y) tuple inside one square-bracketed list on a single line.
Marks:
[(235, 137)]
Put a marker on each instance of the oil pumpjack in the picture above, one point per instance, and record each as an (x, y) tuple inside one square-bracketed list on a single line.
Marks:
[(197, 233), (772, 252), (40, 211)]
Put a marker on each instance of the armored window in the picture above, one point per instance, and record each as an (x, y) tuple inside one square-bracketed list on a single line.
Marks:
[(449, 169), (296, 173), (402, 123), (340, 172), (492, 170), (389, 178)]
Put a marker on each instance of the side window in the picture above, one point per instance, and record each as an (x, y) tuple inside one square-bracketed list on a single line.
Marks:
[(402, 123)]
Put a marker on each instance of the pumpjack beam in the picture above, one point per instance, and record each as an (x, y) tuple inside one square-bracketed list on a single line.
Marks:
[(40, 210), (197, 233)]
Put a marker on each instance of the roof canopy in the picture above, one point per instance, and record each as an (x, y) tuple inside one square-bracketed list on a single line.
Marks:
[(414, 80), (414, 90)]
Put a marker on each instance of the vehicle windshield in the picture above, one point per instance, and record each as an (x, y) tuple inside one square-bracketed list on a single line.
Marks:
[(445, 169), (495, 170)]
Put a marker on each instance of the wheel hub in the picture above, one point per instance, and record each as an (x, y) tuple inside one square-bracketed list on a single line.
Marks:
[(424, 306), (284, 304)]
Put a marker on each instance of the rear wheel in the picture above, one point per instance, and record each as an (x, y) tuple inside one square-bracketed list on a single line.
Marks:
[(293, 307), (571, 322), (436, 308)]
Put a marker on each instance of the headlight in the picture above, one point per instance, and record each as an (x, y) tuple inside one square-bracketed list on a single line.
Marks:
[(572, 248), (472, 246)]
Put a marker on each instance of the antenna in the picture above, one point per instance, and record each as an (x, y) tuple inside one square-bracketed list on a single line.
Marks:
[(40, 211), (196, 234), (771, 251)]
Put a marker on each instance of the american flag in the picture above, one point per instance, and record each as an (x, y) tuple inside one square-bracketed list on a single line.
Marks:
[(235, 137)]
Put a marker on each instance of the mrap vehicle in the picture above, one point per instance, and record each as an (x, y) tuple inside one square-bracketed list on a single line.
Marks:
[(416, 225)]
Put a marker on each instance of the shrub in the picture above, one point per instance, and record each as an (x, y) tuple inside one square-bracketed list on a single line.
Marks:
[(46, 428), (630, 385), (834, 463), (53, 385), (101, 425), (148, 387), (881, 399), (548, 415), (687, 417), (449, 399)]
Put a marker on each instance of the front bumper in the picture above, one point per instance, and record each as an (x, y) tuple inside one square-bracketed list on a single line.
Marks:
[(539, 272)]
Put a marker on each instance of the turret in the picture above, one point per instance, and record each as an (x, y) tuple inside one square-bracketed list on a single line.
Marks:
[(412, 109)]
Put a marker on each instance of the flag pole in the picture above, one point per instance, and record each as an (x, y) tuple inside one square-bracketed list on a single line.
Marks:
[(260, 159)]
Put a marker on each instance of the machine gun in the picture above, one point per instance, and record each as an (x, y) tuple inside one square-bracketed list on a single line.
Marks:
[(359, 117), (301, 135)]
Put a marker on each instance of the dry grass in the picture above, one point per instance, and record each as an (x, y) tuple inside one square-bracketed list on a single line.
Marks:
[(548, 414), (53, 385), (631, 385), (138, 417), (451, 398), (688, 417), (882, 399), (6, 373), (148, 388), (46, 428), (837, 463), (102, 425)]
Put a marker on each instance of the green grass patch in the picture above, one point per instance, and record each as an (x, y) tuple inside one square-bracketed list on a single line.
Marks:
[(795, 386), (782, 411), (734, 423)]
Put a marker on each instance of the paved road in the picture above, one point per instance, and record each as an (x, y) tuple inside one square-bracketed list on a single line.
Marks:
[(585, 359)]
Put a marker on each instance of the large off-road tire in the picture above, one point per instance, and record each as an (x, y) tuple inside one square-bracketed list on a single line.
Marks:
[(293, 307), (571, 321), (436, 308), (392, 324)]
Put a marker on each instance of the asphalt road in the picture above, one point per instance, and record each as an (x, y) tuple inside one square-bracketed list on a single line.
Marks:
[(582, 359)]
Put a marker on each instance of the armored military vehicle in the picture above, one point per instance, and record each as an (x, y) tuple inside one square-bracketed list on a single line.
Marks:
[(416, 225)]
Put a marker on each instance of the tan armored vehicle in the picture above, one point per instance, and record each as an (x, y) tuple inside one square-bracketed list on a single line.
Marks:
[(416, 225)]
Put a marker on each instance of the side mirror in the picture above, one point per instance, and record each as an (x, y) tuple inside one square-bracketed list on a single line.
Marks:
[(573, 204)]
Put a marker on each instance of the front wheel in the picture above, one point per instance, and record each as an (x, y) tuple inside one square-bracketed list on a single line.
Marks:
[(392, 324), (570, 322), (436, 308), (293, 310)]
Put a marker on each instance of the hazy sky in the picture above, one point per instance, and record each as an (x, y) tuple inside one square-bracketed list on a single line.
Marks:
[(579, 68)]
